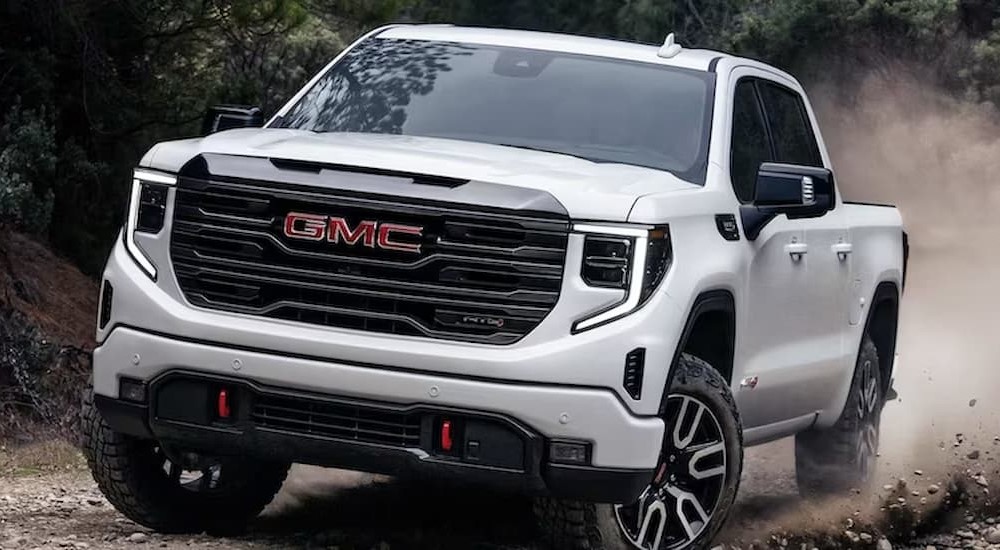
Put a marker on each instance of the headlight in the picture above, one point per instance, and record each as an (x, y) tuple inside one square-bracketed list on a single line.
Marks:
[(634, 259), (147, 208)]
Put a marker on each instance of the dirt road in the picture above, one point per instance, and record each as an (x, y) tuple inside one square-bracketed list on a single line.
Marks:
[(332, 509)]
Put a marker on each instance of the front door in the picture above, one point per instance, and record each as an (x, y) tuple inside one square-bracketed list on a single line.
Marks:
[(789, 339)]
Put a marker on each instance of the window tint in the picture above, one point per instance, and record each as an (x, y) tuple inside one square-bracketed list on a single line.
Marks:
[(794, 142), (750, 145), (604, 110)]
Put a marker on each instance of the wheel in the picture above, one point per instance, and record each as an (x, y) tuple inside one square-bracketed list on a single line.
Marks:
[(175, 492), (695, 483), (843, 457)]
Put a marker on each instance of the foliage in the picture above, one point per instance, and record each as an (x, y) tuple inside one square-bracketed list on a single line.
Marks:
[(109, 79), (27, 161), (40, 381)]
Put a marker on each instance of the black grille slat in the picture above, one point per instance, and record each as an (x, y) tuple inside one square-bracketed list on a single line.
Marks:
[(525, 301), (337, 420), (190, 230), (488, 276)]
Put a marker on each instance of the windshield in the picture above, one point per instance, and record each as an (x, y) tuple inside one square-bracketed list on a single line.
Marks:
[(602, 110)]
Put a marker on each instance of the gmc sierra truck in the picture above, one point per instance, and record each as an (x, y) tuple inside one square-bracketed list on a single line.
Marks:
[(585, 270)]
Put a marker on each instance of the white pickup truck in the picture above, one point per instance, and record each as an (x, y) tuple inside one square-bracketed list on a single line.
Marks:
[(586, 270)]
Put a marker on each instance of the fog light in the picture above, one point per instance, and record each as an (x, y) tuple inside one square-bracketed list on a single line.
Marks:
[(564, 452), (132, 390)]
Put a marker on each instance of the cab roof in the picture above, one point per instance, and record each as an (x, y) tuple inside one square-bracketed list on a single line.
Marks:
[(696, 59)]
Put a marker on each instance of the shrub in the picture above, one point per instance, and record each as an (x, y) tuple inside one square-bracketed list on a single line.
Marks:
[(28, 161)]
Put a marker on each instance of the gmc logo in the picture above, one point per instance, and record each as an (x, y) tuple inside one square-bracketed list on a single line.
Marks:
[(373, 234)]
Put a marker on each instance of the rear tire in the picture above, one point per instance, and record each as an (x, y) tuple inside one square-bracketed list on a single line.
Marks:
[(704, 438), (843, 457), (137, 477)]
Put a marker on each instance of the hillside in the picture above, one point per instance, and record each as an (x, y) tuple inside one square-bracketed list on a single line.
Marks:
[(47, 316)]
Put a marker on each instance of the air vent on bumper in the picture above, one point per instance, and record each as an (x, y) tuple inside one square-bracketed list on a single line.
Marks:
[(635, 364)]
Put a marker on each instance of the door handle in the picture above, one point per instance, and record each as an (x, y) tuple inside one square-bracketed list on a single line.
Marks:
[(796, 250), (842, 250)]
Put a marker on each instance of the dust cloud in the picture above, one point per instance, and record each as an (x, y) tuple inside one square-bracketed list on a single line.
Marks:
[(903, 142)]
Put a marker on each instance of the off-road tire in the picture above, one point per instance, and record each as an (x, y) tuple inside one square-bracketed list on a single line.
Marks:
[(129, 476), (828, 461), (572, 525)]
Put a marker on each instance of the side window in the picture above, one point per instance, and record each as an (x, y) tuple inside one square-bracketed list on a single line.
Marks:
[(794, 141), (750, 146)]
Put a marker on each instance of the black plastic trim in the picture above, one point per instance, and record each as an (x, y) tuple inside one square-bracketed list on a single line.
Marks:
[(107, 302), (608, 485), (886, 291), (706, 302), (727, 226), (635, 366), (124, 417), (906, 256), (879, 204)]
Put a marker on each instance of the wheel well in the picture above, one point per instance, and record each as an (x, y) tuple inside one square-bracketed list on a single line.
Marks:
[(883, 319), (710, 332)]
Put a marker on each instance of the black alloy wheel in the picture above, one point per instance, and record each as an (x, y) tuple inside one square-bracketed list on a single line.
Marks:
[(690, 481)]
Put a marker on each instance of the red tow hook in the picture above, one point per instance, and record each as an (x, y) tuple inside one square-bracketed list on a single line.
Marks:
[(446, 441), (223, 404)]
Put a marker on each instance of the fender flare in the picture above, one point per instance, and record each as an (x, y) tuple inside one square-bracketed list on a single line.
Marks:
[(885, 291), (710, 301)]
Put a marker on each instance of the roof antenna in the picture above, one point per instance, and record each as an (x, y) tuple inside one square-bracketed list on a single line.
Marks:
[(669, 48)]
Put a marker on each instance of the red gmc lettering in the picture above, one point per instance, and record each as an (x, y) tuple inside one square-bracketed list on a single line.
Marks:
[(305, 226), (370, 233), (385, 237), (340, 230)]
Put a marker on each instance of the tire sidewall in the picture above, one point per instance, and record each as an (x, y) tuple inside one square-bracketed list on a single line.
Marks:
[(695, 378)]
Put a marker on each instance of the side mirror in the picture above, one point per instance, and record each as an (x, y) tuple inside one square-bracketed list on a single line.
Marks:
[(796, 191), (227, 117)]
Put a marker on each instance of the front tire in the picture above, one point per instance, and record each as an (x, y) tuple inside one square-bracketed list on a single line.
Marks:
[(695, 483), (844, 456), (141, 481)]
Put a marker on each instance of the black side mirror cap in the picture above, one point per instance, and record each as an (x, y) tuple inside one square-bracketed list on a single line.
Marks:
[(793, 190), (227, 117)]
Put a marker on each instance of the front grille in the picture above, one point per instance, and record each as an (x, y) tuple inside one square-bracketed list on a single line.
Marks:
[(337, 420), (482, 275)]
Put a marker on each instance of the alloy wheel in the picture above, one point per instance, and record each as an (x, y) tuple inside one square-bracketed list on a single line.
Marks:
[(678, 505), (868, 412)]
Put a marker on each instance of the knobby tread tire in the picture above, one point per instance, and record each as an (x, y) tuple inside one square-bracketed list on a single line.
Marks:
[(825, 461), (140, 490), (574, 525)]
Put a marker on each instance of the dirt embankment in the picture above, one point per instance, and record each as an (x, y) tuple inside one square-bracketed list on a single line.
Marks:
[(47, 315)]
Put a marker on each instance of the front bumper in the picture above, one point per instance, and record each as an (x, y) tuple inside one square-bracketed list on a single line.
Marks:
[(513, 420)]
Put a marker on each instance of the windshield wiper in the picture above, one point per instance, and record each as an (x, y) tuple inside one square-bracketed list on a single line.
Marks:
[(554, 151)]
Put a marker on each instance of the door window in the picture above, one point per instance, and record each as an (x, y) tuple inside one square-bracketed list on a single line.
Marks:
[(794, 140), (750, 145)]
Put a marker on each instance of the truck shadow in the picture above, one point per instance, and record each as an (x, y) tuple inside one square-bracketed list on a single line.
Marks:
[(325, 508)]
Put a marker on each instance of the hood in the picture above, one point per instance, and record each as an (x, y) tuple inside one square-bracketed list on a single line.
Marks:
[(587, 190)]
